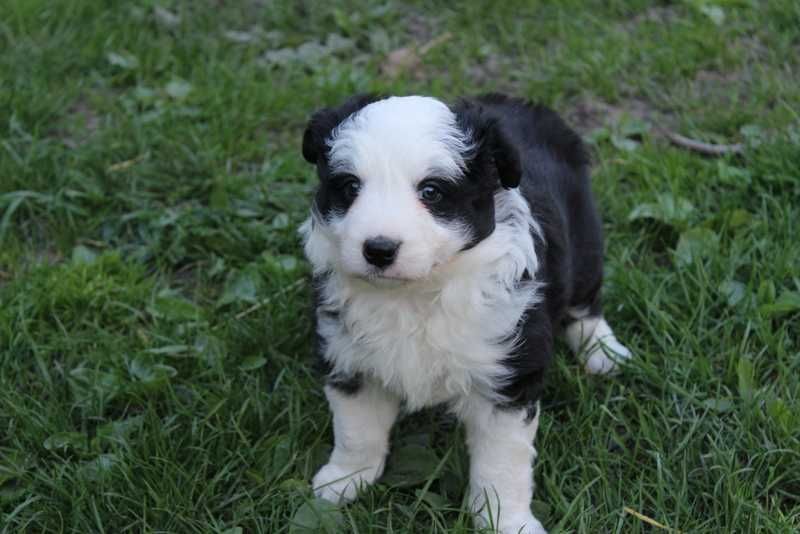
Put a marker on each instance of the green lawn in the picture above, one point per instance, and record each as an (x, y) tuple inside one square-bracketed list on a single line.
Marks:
[(156, 372)]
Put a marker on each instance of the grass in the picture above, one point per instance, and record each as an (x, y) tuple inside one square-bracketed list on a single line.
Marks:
[(155, 365)]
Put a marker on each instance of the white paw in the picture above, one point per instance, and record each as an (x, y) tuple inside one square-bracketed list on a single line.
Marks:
[(522, 523), (340, 485), (526, 524), (606, 356)]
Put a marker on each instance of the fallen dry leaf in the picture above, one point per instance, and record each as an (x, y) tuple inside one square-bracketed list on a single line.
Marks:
[(409, 58), (400, 60)]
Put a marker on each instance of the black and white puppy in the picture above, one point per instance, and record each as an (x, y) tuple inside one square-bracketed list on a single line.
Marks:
[(449, 245)]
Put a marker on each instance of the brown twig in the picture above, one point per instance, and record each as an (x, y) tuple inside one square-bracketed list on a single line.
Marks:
[(424, 49), (264, 302), (649, 520), (703, 148), (94, 243), (122, 165)]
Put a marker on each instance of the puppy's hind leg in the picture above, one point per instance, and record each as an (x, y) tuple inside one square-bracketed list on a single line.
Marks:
[(594, 343), (361, 424)]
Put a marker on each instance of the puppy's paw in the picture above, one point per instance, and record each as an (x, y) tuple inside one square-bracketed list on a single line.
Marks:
[(524, 524), (606, 357), (521, 523), (339, 484)]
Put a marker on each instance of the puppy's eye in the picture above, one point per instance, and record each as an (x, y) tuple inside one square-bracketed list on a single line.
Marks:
[(350, 186), (430, 194)]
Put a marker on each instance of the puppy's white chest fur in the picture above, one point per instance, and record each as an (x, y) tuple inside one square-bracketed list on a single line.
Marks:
[(438, 339)]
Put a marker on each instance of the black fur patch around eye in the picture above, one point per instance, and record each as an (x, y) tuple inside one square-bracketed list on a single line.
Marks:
[(466, 203), (332, 197), (493, 163)]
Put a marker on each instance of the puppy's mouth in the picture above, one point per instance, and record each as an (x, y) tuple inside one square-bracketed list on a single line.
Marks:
[(383, 279)]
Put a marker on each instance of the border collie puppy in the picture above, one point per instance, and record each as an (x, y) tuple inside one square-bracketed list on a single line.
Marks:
[(449, 245)]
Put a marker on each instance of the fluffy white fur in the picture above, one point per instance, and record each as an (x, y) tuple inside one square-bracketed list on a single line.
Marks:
[(440, 338)]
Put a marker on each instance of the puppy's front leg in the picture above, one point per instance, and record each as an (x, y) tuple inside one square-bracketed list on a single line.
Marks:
[(500, 442), (361, 425)]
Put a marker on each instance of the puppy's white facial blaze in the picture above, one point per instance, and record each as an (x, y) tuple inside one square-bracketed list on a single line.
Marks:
[(400, 138), (391, 146)]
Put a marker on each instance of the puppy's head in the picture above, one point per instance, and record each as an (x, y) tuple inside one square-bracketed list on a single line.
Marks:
[(406, 183)]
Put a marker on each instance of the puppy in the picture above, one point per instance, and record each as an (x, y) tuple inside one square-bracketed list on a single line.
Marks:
[(449, 245)]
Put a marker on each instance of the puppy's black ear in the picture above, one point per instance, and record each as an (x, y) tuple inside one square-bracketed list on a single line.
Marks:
[(491, 142), (324, 121), (319, 128), (505, 156)]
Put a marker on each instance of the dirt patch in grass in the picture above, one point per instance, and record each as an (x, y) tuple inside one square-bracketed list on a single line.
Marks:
[(716, 87), (657, 14), (80, 123), (754, 47), (493, 67), (662, 15), (422, 27), (589, 113)]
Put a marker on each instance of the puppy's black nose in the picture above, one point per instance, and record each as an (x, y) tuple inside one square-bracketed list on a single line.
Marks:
[(380, 251)]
